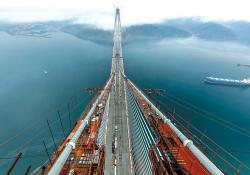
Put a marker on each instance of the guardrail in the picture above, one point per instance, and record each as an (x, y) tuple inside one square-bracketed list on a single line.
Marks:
[(58, 165), (213, 169)]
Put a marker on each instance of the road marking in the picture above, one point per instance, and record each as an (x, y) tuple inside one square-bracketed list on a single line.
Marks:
[(129, 139)]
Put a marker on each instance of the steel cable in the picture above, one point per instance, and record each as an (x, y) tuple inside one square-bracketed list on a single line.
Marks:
[(200, 132)]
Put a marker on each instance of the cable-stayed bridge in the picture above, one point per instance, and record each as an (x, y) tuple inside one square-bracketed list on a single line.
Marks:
[(122, 132)]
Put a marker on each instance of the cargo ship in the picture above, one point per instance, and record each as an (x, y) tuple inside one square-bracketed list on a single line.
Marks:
[(229, 82)]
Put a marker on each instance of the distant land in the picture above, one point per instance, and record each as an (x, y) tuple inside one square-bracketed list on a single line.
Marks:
[(238, 31)]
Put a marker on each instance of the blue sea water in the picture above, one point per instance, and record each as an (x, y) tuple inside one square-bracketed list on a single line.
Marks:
[(39, 76), (179, 66)]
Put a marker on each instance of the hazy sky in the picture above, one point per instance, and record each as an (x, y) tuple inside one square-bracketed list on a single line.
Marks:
[(100, 12)]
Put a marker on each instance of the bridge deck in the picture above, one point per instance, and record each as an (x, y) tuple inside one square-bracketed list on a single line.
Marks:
[(117, 159), (139, 139), (117, 148)]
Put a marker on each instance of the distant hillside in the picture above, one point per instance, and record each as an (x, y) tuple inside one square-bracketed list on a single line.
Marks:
[(187, 24), (214, 31), (89, 33), (130, 34), (242, 30), (154, 31), (173, 28)]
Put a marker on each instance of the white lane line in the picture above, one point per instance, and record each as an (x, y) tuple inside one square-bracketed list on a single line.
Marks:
[(107, 120), (129, 139)]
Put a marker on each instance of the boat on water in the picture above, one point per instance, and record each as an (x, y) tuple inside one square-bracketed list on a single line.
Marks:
[(229, 82), (243, 65)]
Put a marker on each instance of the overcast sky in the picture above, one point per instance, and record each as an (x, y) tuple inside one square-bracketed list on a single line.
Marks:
[(100, 12)]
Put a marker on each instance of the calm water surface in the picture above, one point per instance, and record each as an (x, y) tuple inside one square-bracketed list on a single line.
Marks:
[(39, 76)]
